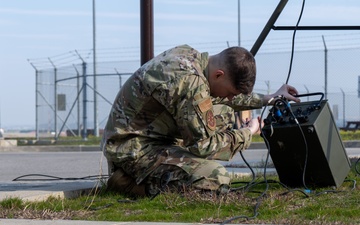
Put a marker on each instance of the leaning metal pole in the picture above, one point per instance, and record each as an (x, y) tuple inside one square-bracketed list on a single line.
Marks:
[(268, 27)]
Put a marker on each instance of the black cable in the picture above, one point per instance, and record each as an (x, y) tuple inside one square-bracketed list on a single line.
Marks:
[(266, 141), (286, 187), (252, 183), (52, 178), (356, 166), (252, 172), (293, 42), (353, 181), (303, 137)]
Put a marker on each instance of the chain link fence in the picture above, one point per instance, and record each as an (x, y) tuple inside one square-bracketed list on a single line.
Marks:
[(68, 104)]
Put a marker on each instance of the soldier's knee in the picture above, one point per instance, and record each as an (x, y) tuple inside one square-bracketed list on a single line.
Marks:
[(211, 176)]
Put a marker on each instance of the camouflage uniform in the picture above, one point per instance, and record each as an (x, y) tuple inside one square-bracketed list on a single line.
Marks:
[(164, 120)]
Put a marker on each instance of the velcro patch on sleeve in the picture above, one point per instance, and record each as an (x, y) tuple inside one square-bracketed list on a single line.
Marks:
[(205, 105)]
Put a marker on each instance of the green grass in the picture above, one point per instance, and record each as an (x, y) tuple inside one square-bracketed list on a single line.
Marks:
[(278, 205), (91, 140)]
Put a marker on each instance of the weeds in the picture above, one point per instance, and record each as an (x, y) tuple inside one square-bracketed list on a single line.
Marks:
[(260, 203)]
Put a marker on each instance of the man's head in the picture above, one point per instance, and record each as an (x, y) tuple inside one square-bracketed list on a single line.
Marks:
[(232, 72)]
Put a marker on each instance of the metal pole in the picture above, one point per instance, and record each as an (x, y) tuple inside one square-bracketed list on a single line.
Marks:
[(146, 30), (120, 78), (343, 94), (84, 132), (239, 22), (268, 26), (78, 101), (316, 27), (36, 102), (36, 105), (267, 82), (0, 118), (84, 87), (307, 91), (55, 99), (326, 74), (96, 122)]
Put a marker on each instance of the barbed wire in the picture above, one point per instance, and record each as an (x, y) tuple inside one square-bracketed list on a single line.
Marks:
[(271, 45)]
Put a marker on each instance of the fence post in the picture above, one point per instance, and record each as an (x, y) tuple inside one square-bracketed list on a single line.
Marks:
[(55, 99), (343, 94), (84, 132), (96, 121), (36, 102), (78, 101), (326, 66)]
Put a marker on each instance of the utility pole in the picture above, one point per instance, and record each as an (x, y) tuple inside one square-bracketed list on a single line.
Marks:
[(239, 22), (96, 122), (146, 30)]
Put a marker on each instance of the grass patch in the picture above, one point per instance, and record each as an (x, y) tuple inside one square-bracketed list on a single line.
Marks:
[(91, 140), (277, 205)]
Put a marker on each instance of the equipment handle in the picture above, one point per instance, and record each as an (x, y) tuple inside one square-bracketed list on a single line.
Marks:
[(311, 94)]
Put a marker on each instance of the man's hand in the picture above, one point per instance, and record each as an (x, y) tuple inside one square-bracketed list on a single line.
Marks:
[(286, 91), (253, 125)]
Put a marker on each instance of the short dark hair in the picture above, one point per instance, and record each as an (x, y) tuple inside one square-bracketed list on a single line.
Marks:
[(240, 64)]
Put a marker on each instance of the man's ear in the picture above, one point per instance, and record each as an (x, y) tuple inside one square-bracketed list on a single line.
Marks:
[(219, 73)]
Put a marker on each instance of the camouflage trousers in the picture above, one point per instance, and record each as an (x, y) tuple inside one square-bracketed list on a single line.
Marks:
[(173, 165)]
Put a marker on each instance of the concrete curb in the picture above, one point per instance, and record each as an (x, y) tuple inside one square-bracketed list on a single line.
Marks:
[(40, 191), (50, 148)]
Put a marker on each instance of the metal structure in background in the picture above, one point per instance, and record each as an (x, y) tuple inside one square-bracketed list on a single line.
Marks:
[(61, 79), (147, 52), (62, 98), (71, 80)]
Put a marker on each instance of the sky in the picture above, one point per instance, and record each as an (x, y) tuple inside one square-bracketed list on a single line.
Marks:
[(35, 30)]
